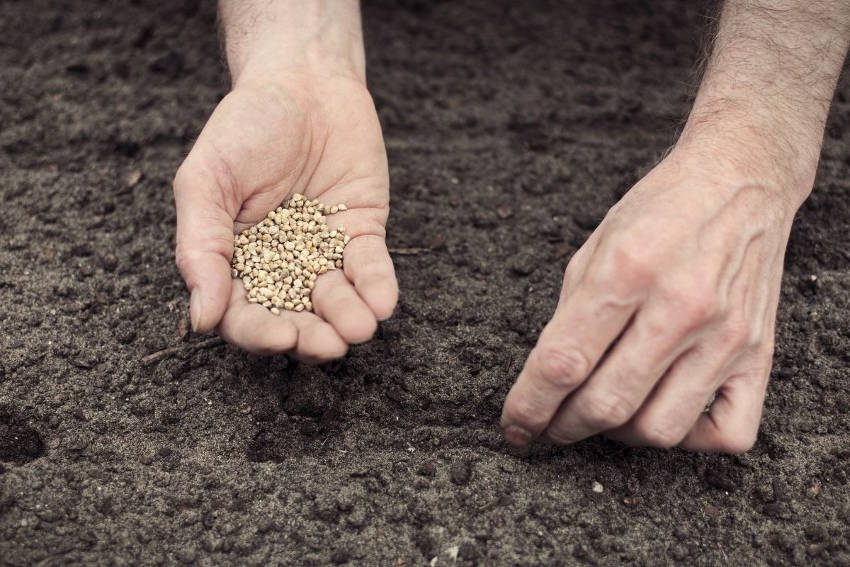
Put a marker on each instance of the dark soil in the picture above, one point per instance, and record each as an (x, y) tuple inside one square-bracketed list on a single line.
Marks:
[(493, 111)]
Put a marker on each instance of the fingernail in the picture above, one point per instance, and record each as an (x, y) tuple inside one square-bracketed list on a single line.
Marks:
[(516, 435), (195, 309)]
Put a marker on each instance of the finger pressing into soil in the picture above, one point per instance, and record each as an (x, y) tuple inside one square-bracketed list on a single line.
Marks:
[(676, 402), (369, 267), (254, 328), (731, 424), (569, 348), (336, 301), (621, 383)]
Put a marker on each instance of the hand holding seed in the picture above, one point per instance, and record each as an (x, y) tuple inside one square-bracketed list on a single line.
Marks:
[(263, 144)]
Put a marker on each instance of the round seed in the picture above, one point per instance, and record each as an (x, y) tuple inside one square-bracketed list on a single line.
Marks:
[(279, 259)]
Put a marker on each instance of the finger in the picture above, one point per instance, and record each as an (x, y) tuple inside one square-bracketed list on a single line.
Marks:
[(615, 391), (204, 245), (301, 334), (254, 328), (336, 301), (569, 347), (731, 424), (318, 341), (677, 401), (368, 266), (366, 261)]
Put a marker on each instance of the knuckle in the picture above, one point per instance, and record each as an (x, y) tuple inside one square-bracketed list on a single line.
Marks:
[(691, 307), (701, 308), (736, 442), (661, 435), (180, 176), (526, 413), (562, 367), (603, 412), (556, 437), (181, 256), (185, 175), (765, 350), (736, 335), (632, 263), (622, 270)]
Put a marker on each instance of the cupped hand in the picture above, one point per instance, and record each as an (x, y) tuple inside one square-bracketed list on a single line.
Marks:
[(318, 136), (668, 307)]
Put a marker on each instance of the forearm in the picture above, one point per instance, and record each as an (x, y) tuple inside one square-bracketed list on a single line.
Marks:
[(768, 85), (263, 37)]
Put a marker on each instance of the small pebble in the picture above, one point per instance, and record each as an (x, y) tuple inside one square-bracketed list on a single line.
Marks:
[(461, 473), (597, 487)]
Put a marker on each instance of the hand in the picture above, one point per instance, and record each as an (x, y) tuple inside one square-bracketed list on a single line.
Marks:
[(671, 300), (297, 133)]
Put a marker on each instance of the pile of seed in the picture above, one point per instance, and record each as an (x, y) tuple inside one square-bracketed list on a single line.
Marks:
[(280, 258)]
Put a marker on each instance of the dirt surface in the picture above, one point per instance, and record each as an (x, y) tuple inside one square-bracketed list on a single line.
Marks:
[(492, 111)]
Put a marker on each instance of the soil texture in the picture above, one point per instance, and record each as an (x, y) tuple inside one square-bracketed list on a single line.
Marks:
[(511, 128)]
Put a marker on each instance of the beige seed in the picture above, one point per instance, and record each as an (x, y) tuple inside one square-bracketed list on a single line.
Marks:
[(280, 258)]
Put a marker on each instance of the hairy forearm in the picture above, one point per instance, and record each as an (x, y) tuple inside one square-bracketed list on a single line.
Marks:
[(263, 37), (769, 82)]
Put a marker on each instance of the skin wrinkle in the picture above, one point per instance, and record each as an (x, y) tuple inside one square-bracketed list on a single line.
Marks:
[(288, 178)]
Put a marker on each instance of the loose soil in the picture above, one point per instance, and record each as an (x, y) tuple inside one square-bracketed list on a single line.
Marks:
[(493, 111)]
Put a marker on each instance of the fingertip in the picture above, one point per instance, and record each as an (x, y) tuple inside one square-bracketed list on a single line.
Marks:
[(205, 312), (319, 342), (380, 293), (258, 333), (207, 275), (517, 436), (358, 331), (283, 339), (208, 302), (337, 302), (522, 414), (368, 265), (196, 310)]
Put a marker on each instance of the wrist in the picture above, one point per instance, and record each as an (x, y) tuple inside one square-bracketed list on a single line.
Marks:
[(319, 38), (263, 68), (750, 145)]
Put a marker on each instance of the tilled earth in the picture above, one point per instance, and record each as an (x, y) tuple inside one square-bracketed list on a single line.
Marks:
[(511, 129)]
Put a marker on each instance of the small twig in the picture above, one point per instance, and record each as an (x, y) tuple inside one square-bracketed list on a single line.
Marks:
[(408, 251), (166, 352), (723, 551)]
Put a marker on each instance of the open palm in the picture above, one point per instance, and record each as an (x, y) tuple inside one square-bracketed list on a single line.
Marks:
[(263, 143)]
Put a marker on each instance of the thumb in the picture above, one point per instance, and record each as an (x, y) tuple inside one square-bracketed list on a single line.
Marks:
[(204, 244)]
